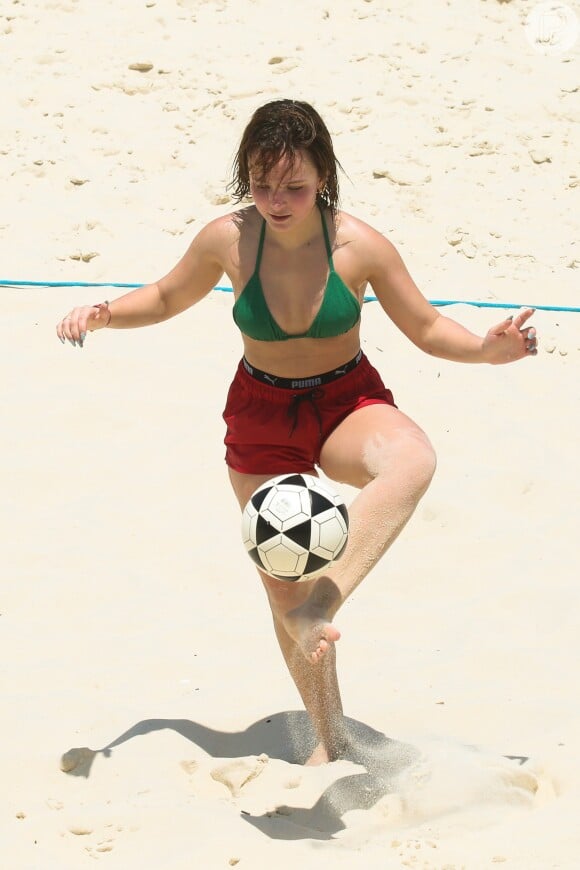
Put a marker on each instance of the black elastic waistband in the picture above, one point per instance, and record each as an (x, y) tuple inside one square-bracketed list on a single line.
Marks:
[(302, 383)]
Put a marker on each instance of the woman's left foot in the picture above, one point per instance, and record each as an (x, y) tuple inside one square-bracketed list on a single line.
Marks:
[(311, 630)]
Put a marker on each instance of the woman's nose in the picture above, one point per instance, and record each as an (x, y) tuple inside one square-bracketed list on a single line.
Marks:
[(277, 197)]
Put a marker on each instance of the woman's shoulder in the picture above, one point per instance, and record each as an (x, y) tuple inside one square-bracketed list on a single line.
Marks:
[(235, 222), (357, 233), (350, 223), (223, 233)]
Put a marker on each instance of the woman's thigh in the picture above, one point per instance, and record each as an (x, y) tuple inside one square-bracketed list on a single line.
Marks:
[(373, 440), (245, 484)]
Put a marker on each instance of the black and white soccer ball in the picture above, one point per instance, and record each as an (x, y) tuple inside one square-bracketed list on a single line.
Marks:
[(294, 526)]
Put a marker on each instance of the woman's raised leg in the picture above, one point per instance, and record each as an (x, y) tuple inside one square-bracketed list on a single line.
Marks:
[(390, 459)]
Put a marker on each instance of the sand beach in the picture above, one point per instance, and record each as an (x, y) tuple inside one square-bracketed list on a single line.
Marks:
[(148, 719)]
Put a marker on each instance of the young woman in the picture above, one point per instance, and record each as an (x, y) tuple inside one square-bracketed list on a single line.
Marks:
[(304, 396)]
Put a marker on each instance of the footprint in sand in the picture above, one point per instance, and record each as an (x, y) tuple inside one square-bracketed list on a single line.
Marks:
[(237, 773), (96, 842)]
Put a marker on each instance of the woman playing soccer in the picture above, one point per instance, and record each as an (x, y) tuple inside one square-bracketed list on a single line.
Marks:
[(304, 395)]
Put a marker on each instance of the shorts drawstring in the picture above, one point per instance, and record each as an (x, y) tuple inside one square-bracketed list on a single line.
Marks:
[(297, 400)]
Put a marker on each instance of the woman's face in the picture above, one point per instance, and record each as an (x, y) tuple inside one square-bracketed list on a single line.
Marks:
[(287, 195)]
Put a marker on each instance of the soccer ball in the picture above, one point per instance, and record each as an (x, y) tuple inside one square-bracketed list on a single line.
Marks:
[(293, 527)]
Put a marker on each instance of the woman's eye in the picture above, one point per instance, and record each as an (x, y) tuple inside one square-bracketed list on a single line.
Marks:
[(267, 187)]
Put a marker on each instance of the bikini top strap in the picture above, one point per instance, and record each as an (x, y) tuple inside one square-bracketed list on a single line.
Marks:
[(327, 240), (260, 248)]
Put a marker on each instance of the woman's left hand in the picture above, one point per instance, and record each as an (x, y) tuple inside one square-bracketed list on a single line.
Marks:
[(510, 340)]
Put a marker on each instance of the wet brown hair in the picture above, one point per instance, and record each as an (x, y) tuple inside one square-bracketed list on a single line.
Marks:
[(282, 128)]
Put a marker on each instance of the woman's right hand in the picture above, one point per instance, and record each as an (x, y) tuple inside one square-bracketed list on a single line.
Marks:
[(75, 325)]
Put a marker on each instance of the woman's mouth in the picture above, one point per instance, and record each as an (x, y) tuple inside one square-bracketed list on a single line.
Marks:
[(279, 218)]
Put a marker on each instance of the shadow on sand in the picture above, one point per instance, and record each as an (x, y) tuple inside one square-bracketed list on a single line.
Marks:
[(289, 737)]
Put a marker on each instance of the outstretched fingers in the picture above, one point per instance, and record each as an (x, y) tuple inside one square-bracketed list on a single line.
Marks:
[(522, 316), (515, 322), (512, 339)]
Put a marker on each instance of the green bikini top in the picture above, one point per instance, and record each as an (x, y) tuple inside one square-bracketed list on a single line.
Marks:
[(339, 312)]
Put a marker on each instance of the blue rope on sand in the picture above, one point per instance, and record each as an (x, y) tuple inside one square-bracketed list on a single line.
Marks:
[(437, 302)]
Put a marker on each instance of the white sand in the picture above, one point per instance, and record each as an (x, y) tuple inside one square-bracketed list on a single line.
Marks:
[(132, 622)]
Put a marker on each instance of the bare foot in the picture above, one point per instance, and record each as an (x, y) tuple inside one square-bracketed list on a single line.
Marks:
[(322, 754), (319, 756), (309, 627)]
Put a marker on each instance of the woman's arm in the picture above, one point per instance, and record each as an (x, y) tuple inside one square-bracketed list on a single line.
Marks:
[(431, 331), (190, 280)]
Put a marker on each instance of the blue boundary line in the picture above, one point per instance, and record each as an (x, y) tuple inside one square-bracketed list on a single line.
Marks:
[(436, 302)]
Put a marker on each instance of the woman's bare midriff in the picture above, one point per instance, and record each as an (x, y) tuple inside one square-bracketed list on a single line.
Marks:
[(302, 357)]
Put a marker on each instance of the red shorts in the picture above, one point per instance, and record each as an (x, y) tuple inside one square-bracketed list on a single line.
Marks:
[(273, 430)]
